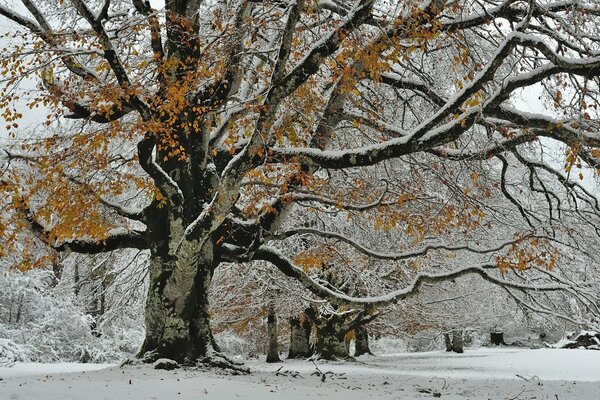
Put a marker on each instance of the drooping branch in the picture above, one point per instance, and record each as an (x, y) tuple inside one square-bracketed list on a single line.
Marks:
[(514, 201), (565, 181), (542, 310), (129, 240), (130, 213), (134, 239), (286, 266), (394, 256)]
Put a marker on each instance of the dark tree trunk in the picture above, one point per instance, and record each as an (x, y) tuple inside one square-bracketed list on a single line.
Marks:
[(448, 341), (497, 338), (300, 337), (76, 282), (457, 341), (177, 315), (361, 344), (273, 353)]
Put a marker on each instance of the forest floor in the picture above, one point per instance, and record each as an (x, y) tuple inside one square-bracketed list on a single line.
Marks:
[(498, 373)]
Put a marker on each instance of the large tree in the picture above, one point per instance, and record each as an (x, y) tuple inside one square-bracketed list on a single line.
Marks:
[(217, 117)]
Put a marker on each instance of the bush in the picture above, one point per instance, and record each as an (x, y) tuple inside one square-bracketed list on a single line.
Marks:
[(41, 323)]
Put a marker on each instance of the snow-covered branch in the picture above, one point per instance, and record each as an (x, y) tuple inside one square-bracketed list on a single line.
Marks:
[(393, 256), (287, 267)]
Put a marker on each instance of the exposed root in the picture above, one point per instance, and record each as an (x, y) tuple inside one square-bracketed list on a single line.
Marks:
[(147, 358), (213, 360), (333, 358), (224, 363)]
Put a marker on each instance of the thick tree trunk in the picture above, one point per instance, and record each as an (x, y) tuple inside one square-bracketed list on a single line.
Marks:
[(273, 352), (497, 338), (361, 344), (457, 341), (330, 339), (300, 337), (177, 317)]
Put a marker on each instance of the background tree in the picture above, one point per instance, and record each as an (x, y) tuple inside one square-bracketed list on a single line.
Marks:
[(217, 118)]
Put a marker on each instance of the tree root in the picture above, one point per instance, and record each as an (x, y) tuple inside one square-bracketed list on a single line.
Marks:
[(213, 360), (224, 363)]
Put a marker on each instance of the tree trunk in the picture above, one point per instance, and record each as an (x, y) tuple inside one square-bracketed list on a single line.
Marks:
[(497, 338), (457, 341), (361, 344), (300, 337), (447, 341), (273, 353), (330, 339), (177, 317)]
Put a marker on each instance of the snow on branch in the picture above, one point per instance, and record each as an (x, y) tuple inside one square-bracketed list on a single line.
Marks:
[(286, 41), (163, 181), (117, 239), (110, 55), (128, 240), (325, 47), (228, 191), (394, 256), (306, 197), (41, 28), (512, 11), (127, 212), (287, 267)]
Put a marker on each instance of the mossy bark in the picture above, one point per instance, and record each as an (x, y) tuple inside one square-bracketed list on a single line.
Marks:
[(273, 352), (330, 344), (177, 307), (300, 328), (457, 341), (361, 344)]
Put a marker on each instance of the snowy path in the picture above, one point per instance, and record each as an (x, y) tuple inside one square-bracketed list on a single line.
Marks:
[(479, 374)]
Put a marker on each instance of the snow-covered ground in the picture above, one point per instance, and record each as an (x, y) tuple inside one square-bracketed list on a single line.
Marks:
[(477, 374)]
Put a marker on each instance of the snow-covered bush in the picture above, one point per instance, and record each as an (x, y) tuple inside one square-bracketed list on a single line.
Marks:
[(235, 345), (10, 352), (388, 345), (45, 323)]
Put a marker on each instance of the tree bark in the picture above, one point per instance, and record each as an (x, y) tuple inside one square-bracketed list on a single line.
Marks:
[(273, 353), (361, 344), (177, 312), (330, 339), (457, 341), (497, 338), (300, 328), (448, 341)]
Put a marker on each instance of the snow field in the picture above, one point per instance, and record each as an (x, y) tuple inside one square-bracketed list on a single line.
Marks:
[(477, 374)]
